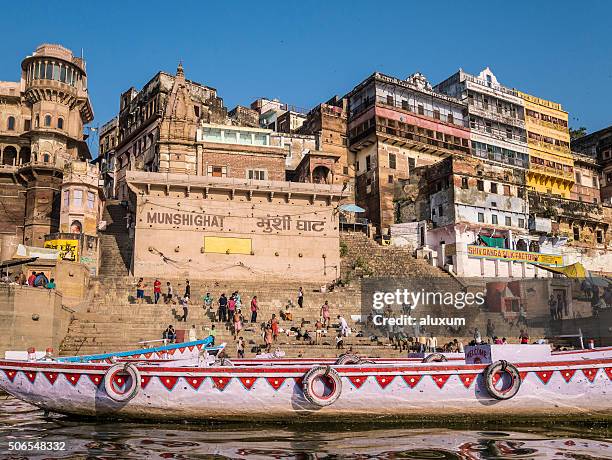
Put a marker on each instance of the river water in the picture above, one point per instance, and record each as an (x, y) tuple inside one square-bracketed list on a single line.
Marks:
[(83, 438)]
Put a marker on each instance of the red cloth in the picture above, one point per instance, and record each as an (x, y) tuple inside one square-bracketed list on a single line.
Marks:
[(157, 286), (31, 279)]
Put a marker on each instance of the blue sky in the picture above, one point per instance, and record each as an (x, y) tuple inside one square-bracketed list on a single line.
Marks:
[(305, 52)]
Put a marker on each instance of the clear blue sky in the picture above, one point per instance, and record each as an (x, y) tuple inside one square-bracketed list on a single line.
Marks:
[(305, 52)]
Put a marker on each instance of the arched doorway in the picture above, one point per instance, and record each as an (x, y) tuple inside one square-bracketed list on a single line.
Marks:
[(24, 156), (9, 156), (320, 175)]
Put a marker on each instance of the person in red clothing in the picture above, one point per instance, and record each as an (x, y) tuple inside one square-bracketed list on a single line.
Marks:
[(31, 279), (157, 290), (274, 325), (524, 337)]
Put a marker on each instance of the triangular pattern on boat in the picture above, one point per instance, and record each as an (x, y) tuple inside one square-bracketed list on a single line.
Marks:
[(30, 375), (51, 377), (144, 381), (221, 382), (190, 347), (358, 380), (148, 355), (95, 378), (10, 374), (276, 382), (567, 374), (181, 350), (412, 380), (72, 378), (384, 380), (171, 351), (609, 372), (467, 379), (168, 381), (195, 382), (590, 374), (440, 379), (199, 346), (248, 382), (544, 376)]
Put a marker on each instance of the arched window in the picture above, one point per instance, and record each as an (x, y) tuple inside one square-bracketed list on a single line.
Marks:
[(11, 123), (46, 157), (60, 123), (37, 121), (47, 120)]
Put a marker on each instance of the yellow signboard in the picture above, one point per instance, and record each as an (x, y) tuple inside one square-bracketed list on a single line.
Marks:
[(509, 254), (227, 245), (68, 249)]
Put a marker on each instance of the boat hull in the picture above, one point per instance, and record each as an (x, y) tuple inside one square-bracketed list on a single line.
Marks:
[(578, 388)]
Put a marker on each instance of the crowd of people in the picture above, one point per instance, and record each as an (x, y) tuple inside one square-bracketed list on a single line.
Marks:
[(36, 279)]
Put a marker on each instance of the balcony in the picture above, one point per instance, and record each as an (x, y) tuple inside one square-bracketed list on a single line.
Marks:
[(549, 171), (546, 146), (548, 124), (491, 114), (422, 111), (396, 136), (498, 134)]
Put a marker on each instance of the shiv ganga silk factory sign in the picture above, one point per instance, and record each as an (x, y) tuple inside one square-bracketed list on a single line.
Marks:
[(267, 224)]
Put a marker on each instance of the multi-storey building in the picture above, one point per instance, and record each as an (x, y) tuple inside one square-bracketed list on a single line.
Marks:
[(157, 126), (551, 167), (587, 172), (278, 116), (41, 130), (108, 136), (496, 116), (598, 145), (394, 126)]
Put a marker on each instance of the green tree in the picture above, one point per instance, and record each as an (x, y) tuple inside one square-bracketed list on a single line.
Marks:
[(578, 132)]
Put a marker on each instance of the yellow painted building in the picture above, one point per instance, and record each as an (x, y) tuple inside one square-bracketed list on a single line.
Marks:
[(551, 166)]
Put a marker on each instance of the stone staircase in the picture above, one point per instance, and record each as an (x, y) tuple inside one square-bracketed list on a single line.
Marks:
[(115, 243), (112, 320)]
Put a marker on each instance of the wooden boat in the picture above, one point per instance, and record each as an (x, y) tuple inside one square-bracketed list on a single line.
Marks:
[(494, 381)]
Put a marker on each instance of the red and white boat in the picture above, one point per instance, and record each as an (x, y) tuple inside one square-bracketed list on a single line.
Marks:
[(493, 381)]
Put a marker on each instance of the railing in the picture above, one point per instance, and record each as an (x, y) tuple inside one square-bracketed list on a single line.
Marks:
[(548, 124), (502, 158), (420, 110), (499, 134), (553, 171), (362, 107), (494, 115), (503, 89), (547, 145), (421, 139)]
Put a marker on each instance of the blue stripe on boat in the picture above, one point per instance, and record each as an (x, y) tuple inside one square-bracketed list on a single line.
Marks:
[(120, 354)]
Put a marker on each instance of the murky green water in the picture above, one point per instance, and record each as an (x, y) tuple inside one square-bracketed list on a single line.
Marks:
[(21, 423)]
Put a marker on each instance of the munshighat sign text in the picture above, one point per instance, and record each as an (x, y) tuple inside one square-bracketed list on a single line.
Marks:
[(266, 224)]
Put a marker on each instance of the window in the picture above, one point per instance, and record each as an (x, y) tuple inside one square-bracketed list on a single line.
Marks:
[(345, 170), (63, 74), (493, 187), (508, 221), (521, 223), (47, 120), (368, 163), (578, 181), (421, 110), (390, 179), (37, 121), (256, 174), (436, 114), (77, 195), (66, 198), (440, 211), (449, 118), (464, 182), (405, 104), (392, 161), (520, 192), (576, 233), (599, 236), (10, 123), (196, 110), (27, 124), (480, 185), (411, 164), (389, 99), (60, 123), (507, 190), (494, 219), (91, 200), (481, 217), (595, 183)]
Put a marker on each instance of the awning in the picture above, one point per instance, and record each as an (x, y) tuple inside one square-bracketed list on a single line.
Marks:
[(13, 263), (576, 270), (351, 207), (494, 242)]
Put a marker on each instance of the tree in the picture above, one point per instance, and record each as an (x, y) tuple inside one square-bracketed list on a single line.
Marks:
[(578, 132)]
